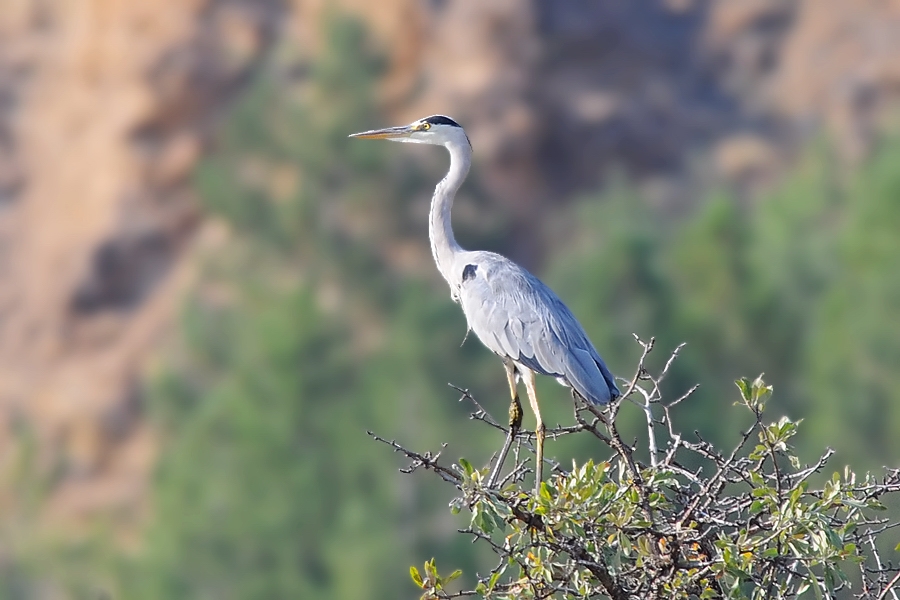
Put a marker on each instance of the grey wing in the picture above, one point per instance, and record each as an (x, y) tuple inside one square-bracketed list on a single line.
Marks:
[(516, 316)]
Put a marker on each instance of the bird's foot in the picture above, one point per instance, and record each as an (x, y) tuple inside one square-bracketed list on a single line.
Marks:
[(515, 425), (515, 415)]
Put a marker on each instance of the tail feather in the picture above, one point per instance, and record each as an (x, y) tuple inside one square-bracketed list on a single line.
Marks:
[(590, 378)]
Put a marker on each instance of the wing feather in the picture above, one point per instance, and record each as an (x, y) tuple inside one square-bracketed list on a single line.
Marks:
[(516, 316)]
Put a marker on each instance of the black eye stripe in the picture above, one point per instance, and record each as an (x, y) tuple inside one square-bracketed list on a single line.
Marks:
[(440, 120)]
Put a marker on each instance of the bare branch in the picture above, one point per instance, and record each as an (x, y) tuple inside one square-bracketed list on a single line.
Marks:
[(697, 521), (427, 460)]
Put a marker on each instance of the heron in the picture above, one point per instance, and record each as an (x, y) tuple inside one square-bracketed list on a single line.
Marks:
[(511, 311)]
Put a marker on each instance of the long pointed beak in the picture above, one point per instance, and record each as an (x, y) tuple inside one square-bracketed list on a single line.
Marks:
[(389, 133)]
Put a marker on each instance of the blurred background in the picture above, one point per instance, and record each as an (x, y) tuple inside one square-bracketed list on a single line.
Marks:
[(208, 293)]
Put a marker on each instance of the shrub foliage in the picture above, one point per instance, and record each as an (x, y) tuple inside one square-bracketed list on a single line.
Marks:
[(674, 517)]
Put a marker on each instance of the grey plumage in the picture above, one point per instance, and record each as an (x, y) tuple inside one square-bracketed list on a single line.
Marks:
[(510, 310), (518, 317)]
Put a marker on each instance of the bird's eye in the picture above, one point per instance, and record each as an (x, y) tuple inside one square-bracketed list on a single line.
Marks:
[(426, 126)]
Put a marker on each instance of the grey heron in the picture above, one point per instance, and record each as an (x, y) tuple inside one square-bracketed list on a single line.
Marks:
[(512, 312)]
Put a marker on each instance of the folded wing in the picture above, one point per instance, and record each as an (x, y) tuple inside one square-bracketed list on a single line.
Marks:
[(516, 316)]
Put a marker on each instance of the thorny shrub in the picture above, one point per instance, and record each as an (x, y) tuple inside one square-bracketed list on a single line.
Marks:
[(744, 524)]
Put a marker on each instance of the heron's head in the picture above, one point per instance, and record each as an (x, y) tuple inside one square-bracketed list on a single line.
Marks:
[(437, 130)]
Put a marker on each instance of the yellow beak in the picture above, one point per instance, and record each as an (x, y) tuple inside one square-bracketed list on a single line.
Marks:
[(388, 133)]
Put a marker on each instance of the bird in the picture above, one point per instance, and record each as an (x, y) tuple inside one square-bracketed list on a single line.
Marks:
[(512, 312)]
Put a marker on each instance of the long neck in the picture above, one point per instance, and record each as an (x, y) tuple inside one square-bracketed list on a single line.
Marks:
[(440, 231)]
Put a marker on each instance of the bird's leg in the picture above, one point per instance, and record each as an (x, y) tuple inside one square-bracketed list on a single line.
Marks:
[(539, 430), (515, 423)]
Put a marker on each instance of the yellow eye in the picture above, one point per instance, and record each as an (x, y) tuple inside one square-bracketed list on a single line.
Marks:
[(426, 126)]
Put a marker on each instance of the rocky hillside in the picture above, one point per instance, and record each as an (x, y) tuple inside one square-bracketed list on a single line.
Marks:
[(105, 107)]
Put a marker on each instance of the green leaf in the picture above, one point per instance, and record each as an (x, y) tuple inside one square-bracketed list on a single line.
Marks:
[(761, 391), (453, 576), (829, 578), (815, 584), (796, 494), (743, 384), (456, 505), (833, 538), (643, 545), (876, 505), (633, 496), (545, 493), (467, 467), (499, 521), (482, 520), (416, 577), (494, 579)]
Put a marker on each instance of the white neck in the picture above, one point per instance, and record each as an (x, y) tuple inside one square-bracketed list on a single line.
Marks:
[(440, 231)]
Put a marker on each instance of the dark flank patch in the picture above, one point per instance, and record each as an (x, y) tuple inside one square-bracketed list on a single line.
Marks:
[(441, 120), (469, 272)]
